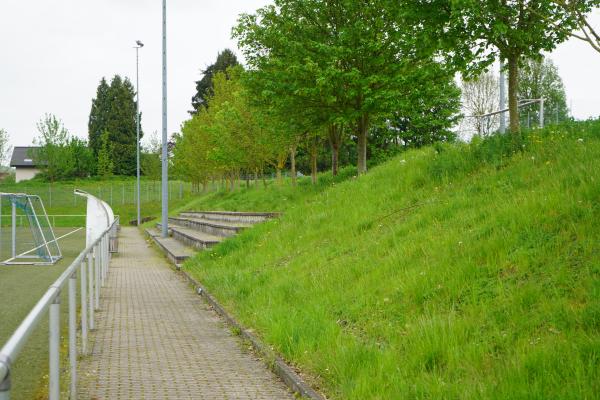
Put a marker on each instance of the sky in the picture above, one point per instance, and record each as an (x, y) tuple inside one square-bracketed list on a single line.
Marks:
[(54, 53)]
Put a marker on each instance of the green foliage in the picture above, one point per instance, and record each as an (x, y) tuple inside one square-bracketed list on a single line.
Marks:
[(229, 135), (204, 87), (474, 33), (114, 110), (540, 78), (60, 155), (467, 274), (150, 159), (105, 163), (320, 63)]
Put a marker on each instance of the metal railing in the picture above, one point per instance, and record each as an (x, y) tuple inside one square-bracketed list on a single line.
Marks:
[(92, 265)]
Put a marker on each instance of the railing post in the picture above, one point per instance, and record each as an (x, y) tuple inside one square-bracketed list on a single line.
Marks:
[(54, 349), (84, 321), (91, 289), (97, 276), (73, 334)]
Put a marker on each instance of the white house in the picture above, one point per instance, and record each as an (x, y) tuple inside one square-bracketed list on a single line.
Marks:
[(23, 161)]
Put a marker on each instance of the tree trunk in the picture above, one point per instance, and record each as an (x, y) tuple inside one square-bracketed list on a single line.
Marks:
[(278, 174), (361, 134), (335, 141), (293, 164), (513, 92), (313, 160)]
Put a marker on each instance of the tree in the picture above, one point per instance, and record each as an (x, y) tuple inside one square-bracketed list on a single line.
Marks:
[(540, 79), (114, 110), (338, 62), (99, 115), (150, 162), (5, 147), (105, 163), (60, 155), (204, 87), (53, 137), (480, 97), (474, 33)]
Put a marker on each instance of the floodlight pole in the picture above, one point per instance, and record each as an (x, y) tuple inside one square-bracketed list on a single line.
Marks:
[(502, 98), (165, 172), (138, 46)]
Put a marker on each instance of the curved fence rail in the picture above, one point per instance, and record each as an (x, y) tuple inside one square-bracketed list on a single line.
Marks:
[(92, 265)]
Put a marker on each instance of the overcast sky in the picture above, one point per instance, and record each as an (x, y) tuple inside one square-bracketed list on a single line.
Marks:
[(54, 53)]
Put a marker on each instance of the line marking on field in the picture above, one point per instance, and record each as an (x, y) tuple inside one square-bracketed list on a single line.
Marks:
[(42, 245)]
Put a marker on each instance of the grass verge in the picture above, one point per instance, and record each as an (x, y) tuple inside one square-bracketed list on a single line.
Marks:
[(455, 271)]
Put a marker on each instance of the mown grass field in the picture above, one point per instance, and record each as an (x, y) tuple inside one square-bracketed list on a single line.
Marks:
[(118, 192), (454, 271), (21, 286)]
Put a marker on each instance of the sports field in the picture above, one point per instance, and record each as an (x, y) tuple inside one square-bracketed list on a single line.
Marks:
[(20, 288)]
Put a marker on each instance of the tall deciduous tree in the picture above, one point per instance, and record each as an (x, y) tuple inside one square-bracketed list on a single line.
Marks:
[(346, 59), (114, 110), (476, 32), (204, 87)]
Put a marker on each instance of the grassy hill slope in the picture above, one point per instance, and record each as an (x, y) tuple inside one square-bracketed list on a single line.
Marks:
[(460, 271)]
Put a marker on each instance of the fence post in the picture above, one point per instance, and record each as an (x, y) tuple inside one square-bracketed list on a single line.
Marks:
[(73, 334), (54, 349), (180, 190), (123, 195), (91, 290), (97, 273), (84, 320)]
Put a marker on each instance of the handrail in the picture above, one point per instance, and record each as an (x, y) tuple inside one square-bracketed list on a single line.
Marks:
[(99, 252)]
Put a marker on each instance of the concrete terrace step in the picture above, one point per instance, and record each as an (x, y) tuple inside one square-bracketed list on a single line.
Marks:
[(231, 216), (211, 227), (175, 251), (193, 238)]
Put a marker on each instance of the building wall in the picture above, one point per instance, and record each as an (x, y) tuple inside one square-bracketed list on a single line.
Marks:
[(23, 173)]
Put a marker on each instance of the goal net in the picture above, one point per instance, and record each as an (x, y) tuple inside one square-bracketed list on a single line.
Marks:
[(26, 236)]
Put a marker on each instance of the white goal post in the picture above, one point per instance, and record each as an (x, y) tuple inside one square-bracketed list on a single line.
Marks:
[(32, 242)]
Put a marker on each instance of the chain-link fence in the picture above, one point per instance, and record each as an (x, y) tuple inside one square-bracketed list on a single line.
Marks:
[(114, 193)]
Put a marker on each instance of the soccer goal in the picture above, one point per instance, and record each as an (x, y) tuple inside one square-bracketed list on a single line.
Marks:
[(26, 236)]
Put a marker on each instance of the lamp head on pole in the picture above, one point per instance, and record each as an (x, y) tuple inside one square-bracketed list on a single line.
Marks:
[(139, 44)]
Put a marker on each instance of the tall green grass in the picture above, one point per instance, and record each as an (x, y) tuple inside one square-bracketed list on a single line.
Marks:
[(455, 271)]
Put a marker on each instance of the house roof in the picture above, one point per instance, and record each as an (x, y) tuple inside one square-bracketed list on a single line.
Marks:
[(23, 157)]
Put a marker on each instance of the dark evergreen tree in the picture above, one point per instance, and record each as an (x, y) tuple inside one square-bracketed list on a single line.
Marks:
[(98, 115), (114, 111), (204, 86)]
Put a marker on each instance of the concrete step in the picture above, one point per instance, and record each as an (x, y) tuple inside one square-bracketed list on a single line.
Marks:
[(192, 238), (175, 251), (216, 228), (231, 216)]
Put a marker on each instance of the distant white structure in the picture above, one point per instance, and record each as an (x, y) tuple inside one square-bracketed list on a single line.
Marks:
[(23, 162)]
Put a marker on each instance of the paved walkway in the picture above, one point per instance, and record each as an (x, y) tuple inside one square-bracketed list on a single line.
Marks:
[(156, 339)]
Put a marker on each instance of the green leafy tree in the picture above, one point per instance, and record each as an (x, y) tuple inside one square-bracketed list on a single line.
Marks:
[(540, 79), (52, 139), (474, 33), (343, 62), (105, 162), (204, 87), (114, 110), (150, 158)]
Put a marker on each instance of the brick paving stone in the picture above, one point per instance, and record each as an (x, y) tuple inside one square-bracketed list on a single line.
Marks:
[(156, 339)]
